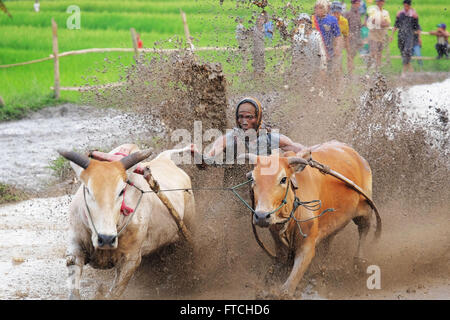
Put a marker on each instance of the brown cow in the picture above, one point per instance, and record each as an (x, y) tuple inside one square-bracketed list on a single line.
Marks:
[(275, 179)]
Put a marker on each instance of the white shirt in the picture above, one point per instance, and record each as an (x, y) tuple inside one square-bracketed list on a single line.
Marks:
[(376, 16), (312, 51)]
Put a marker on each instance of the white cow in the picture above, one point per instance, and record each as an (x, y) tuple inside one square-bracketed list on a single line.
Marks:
[(101, 232)]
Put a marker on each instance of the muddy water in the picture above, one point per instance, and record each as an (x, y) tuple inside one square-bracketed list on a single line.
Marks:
[(413, 254), (29, 153)]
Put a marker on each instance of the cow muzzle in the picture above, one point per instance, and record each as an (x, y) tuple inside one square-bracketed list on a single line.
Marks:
[(106, 242), (261, 219)]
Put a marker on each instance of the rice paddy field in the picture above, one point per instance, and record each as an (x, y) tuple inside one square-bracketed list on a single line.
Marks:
[(106, 24)]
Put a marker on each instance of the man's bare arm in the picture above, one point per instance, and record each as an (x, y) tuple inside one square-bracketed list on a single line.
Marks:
[(286, 144)]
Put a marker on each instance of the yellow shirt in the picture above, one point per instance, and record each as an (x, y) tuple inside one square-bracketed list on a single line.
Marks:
[(343, 25)]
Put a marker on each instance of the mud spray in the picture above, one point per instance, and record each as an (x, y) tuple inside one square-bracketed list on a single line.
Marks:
[(409, 160)]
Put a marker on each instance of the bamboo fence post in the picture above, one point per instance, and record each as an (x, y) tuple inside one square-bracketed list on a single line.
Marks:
[(56, 59), (134, 40), (186, 30)]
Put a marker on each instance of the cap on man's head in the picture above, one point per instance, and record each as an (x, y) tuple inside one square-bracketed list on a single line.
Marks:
[(336, 6), (258, 110), (407, 2), (442, 25), (324, 3), (304, 16)]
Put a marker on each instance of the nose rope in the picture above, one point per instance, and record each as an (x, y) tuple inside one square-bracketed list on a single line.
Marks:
[(124, 209), (89, 211), (283, 202)]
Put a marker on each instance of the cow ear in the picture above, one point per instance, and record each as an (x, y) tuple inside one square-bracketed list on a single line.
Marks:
[(294, 181), (78, 162), (297, 164), (78, 170)]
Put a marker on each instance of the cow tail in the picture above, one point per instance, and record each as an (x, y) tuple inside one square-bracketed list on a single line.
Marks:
[(377, 215), (379, 225), (168, 153)]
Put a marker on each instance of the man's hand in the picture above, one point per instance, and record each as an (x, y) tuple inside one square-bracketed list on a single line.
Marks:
[(194, 148)]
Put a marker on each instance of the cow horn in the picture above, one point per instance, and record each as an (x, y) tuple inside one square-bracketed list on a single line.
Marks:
[(248, 156), (76, 158), (296, 160), (135, 158)]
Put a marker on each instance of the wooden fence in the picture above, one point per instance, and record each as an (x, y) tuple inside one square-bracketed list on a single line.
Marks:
[(56, 55)]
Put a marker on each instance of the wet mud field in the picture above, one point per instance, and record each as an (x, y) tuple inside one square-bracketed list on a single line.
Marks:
[(413, 253)]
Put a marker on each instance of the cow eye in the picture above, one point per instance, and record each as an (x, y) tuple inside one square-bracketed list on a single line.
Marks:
[(283, 181), (122, 192)]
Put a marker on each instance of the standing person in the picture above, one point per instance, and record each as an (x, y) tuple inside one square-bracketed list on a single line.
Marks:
[(353, 17), (417, 48), (242, 39), (258, 46), (140, 44), (268, 26), (309, 60), (329, 30), (442, 40), (36, 6), (336, 11), (407, 24), (378, 22), (363, 9)]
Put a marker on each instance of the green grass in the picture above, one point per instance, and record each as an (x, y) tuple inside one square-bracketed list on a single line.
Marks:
[(106, 24), (10, 194), (60, 167)]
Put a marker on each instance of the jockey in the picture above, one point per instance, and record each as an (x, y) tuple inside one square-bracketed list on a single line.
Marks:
[(250, 135)]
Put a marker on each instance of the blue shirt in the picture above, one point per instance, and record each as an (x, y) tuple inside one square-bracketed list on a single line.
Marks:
[(268, 29), (329, 28)]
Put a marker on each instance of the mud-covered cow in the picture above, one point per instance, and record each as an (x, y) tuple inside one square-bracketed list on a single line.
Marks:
[(114, 224)]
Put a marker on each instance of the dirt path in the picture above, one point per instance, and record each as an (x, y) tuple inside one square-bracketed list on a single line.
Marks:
[(414, 264)]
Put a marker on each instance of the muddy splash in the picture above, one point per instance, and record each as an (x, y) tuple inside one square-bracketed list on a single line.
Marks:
[(411, 184), (410, 172)]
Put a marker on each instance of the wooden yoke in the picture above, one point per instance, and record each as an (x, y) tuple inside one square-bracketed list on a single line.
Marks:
[(155, 187)]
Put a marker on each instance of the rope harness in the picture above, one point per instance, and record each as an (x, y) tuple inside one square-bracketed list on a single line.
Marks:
[(313, 205), (130, 212)]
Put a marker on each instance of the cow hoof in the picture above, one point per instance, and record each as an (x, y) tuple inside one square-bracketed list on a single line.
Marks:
[(360, 265), (284, 294), (75, 295), (262, 295), (101, 293), (273, 294)]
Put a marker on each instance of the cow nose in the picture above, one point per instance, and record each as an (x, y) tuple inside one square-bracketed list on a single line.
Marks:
[(260, 218), (106, 241)]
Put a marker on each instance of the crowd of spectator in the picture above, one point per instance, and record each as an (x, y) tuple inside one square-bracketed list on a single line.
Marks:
[(319, 40)]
